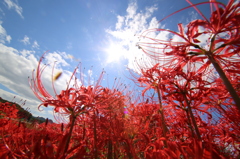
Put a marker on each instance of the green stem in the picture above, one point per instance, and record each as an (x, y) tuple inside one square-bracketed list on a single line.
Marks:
[(109, 149), (164, 127), (95, 135), (192, 117), (225, 80), (73, 118), (189, 123)]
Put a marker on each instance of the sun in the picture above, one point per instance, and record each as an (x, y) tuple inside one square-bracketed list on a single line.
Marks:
[(115, 52)]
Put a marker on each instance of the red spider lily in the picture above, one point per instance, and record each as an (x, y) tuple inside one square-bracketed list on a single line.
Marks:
[(26, 140), (74, 99), (149, 138), (154, 79), (223, 43), (188, 91), (159, 80), (108, 120), (184, 81), (188, 114), (182, 88), (7, 111)]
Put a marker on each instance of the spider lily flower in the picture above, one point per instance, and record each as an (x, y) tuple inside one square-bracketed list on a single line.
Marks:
[(73, 99), (7, 111), (221, 50), (72, 102), (222, 29)]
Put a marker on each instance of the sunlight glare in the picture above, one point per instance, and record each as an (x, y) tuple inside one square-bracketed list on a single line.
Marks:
[(114, 52)]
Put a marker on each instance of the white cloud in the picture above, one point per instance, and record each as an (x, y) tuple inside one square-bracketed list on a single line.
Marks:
[(120, 22), (57, 57), (90, 73), (16, 66), (8, 38), (35, 45), (25, 52), (15, 70), (124, 37), (131, 10), (3, 35), (15, 6), (25, 40)]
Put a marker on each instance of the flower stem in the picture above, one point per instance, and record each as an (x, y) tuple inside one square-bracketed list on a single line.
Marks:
[(225, 80), (109, 149), (164, 127), (95, 135), (192, 117), (189, 123), (73, 118)]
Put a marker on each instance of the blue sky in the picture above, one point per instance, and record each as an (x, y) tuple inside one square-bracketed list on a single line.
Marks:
[(97, 33)]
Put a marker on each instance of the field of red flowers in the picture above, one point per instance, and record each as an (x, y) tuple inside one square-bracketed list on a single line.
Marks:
[(189, 106)]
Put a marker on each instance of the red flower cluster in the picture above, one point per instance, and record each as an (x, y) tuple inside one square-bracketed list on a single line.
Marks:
[(188, 107), (221, 49)]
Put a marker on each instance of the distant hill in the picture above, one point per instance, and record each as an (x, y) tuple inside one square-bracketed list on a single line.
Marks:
[(25, 114)]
